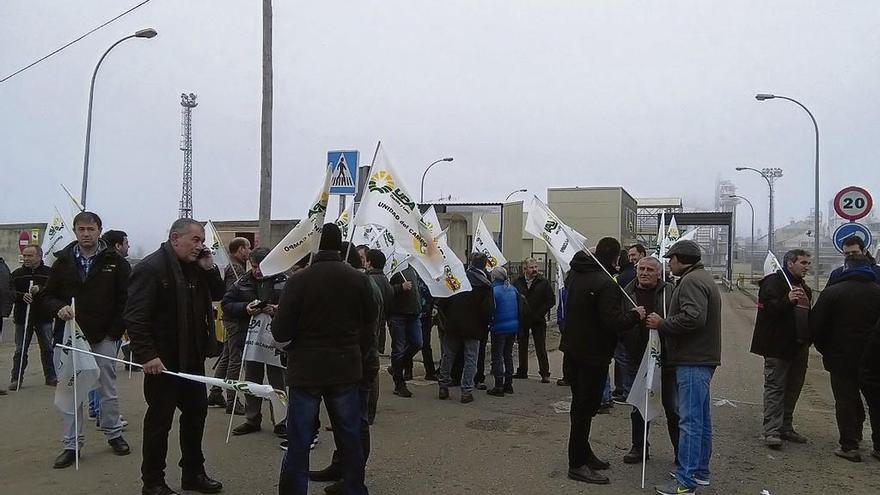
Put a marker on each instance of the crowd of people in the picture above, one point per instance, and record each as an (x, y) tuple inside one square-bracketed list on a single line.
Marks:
[(611, 302)]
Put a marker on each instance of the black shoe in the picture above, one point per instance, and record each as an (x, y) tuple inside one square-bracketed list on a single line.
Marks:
[(51, 382), (202, 484), (402, 391), (587, 475), (119, 446), (597, 464), (467, 398), (66, 459), (333, 472), (443, 394), (605, 408), (407, 375), (239, 409), (634, 456), (508, 389), (158, 490), (430, 377), (480, 386), (245, 428), (215, 399), (521, 375), (336, 488), (562, 383), (280, 430), (545, 379), (496, 392)]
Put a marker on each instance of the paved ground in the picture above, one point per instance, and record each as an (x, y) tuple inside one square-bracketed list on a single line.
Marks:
[(505, 445)]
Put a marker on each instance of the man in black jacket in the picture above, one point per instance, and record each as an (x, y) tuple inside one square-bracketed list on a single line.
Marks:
[(593, 320), (328, 338), (541, 297), (869, 382), (170, 322), (30, 297), (405, 326), (375, 269), (782, 337), (841, 322), (95, 277)]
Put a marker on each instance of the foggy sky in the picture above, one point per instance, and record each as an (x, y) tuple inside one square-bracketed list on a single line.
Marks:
[(655, 96)]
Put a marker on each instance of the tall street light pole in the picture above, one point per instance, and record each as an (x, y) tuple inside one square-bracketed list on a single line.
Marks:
[(817, 244), (514, 192), (770, 175), (143, 33), (422, 193), (265, 205), (752, 249)]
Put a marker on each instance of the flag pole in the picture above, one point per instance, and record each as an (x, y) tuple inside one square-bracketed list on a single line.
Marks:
[(622, 291), (352, 223), (645, 437), (240, 378), (25, 340), (76, 404)]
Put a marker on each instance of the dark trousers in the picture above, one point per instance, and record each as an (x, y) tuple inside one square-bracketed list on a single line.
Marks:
[(254, 372), (345, 406), (871, 389), (406, 341), (850, 411), (480, 377), (587, 383), (538, 330), (669, 397), (380, 340), (164, 394), (502, 358), (427, 352)]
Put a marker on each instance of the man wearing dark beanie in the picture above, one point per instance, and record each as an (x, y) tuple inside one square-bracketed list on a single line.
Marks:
[(328, 338)]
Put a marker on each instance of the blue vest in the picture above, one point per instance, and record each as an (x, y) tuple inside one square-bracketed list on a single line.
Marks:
[(506, 309)]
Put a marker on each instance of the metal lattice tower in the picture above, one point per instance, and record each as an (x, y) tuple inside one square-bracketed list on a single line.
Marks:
[(188, 102)]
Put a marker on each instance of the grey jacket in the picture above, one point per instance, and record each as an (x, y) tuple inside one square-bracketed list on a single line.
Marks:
[(692, 330)]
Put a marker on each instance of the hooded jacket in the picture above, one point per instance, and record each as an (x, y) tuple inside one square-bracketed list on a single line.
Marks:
[(469, 314), (21, 279), (843, 318), (781, 327), (693, 329), (593, 316), (100, 298)]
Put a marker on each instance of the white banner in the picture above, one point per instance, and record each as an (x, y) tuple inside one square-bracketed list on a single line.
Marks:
[(59, 233), (218, 251), (344, 221), (259, 346), (562, 241), (483, 243), (646, 391), (87, 371), (302, 239), (454, 279)]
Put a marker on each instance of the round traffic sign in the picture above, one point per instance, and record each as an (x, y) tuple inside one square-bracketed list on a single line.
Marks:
[(848, 230), (853, 203), (24, 240)]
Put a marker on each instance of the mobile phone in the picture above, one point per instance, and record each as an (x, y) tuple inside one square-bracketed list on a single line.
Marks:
[(260, 304)]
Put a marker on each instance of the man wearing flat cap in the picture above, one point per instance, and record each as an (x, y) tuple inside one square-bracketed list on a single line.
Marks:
[(692, 331)]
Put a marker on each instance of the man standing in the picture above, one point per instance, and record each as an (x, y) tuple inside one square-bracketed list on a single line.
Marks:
[(376, 270), (32, 271), (593, 321), (540, 297), (405, 326), (93, 276), (692, 332), (251, 295), (782, 337), (229, 364), (854, 246), (841, 322), (626, 364), (325, 360), (6, 297), (170, 320), (869, 382)]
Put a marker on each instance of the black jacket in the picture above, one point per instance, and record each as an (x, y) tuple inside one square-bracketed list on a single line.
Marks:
[(406, 302), (781, 327), (100, 298), (843, 318), (385, 289), (636, 337), (21, 279), (693, 327), (169, 313), (383, 298), (6, 297), (247, 289), (541, 297), (469, 314), (328, 314), (869, 371), (593, 313)]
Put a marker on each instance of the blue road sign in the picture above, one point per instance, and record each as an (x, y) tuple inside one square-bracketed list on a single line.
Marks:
[(344, 172), (850, 229)]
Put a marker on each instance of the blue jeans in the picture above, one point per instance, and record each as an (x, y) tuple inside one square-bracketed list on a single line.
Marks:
[(695, 423), (606, 392), (502, 358), (406, 342), (624, 370), (450, 345), (43, 332), (344, 406)]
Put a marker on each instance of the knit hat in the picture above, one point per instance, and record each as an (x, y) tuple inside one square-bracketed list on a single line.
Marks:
[(331, 238)]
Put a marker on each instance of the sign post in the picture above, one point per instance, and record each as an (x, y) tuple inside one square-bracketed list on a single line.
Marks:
[(853, 203), (344, 174)]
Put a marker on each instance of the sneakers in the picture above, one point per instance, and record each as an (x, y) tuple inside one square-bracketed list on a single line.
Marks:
[(443, 394), (480, 386), (545, 379), (401, 391), (697, 479), (634, 456), (587, 475), (215, 399), (283, 445), (850, 455), (793, 436), (467, 398), (773, 442), (119, 446), (674, 488), (245, 428)]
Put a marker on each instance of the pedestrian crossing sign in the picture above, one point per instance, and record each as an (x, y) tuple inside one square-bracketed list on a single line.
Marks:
[(343, 167)]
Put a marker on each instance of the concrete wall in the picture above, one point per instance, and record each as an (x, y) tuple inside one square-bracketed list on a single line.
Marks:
[(9, 240), (596, 212)]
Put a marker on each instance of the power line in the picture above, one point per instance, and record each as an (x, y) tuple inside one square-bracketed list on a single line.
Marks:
[(19, 71)]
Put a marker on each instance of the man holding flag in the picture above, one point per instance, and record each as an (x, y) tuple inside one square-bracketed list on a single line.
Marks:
[(169, 317), (29, 317)]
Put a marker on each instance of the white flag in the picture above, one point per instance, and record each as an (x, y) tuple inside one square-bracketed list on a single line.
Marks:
[(87, 371), (302, 239), (259, 346), (483, 243), (344, 220), (454, 279), (218, 251), (562, 241), (278, 398), (771, 264), (59, 233), (381, 239), (672, 233), (388, 203), (647, 384)]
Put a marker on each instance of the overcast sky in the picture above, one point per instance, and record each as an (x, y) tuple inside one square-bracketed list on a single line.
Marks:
[(655, 96)]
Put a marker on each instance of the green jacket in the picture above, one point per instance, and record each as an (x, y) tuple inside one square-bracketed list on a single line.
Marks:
[(693, 328)]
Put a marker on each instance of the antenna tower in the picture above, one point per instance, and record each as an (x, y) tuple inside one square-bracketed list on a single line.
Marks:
[(187, 102)]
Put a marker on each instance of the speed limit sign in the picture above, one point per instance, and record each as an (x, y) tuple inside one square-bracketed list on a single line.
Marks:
[(853, 203)]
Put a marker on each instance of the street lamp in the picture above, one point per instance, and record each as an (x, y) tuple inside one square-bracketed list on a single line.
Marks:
[(143, 33), (765, 96), (770, 175), (514, 192), (752, 253), (435, 162)]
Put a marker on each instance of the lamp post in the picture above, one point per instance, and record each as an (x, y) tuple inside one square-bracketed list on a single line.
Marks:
[(435, 162), (143, 33), (514, 192), (766, 96), (770, 175), (752, 248)]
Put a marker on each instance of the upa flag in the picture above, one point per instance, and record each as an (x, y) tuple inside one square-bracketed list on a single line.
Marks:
[(66, 361), (381, 239), (303, 239), (672, 233), (278, 398), (58, 235), (483, 243), (387, 203), (771, 264), (366, 235), (218, 252), (646, 388), (259, 346), (454, 279), (344, 221), (562, 241)]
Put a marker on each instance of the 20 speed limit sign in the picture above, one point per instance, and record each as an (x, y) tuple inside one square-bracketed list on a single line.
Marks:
[(853, 203)]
